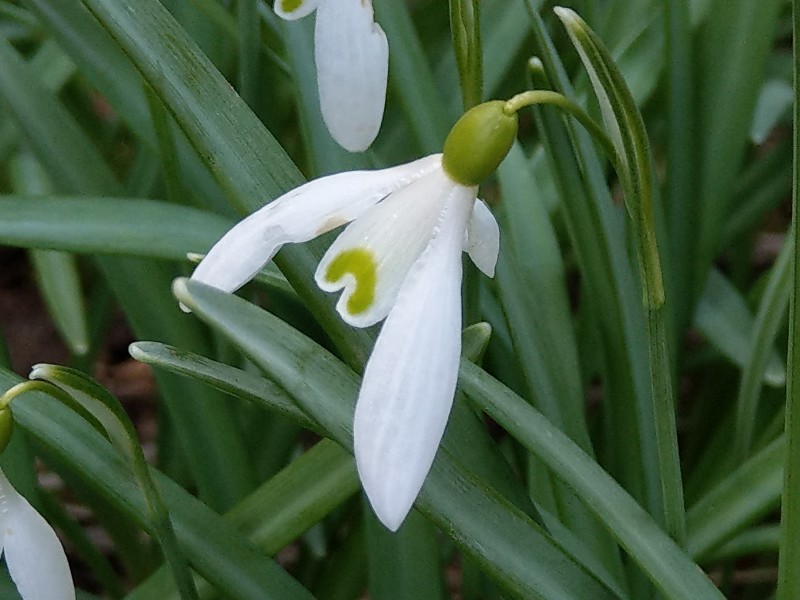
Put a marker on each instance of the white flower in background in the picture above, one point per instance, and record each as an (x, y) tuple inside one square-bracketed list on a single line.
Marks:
[(352, 58), (34, 556), (399, 260)]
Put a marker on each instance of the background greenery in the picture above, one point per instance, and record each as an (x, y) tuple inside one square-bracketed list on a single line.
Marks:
[(135, 131)]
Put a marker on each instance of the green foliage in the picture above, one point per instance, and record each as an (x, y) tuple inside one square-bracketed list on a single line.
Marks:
[(638, 309)]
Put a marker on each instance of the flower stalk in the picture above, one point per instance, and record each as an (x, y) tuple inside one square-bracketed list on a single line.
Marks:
[(465, 27), (634, 166)]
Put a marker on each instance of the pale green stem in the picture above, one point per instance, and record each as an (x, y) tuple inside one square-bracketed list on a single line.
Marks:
[(531, 97)]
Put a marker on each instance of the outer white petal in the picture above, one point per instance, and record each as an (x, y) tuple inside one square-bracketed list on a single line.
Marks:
[(372, 257), (300, 215), (352, 58), (410, 379), (34, 556), (292, 10), (483, 238)]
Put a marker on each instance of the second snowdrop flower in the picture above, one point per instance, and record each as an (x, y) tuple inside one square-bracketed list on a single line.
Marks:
[(33, 554), (352, 58), (399, 260)]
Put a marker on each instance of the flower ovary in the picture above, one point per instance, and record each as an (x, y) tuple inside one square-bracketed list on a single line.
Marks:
[(478, 142)]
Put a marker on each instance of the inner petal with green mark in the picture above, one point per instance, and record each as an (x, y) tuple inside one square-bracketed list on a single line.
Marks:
[(290, 5), (361, 264)]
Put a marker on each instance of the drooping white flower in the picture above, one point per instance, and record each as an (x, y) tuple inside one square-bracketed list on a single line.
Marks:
[(399, 259), (34, 556), (352, 58)]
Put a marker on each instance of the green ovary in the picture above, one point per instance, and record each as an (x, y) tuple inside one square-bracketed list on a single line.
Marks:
[(290, 5), (360, 263)]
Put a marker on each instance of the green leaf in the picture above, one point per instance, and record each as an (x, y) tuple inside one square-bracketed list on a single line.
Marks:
[(244, 157), (230, 380), (412, 80), (670, 570), (109, 225), (730, 72), (108, 68), (748, 493), (612, 298), (774, 102), (725, 320), (768, 322), (281, 509), (634, 167), (789, 561), (117, 426), (508, 545), (224, 558), (206, 427)]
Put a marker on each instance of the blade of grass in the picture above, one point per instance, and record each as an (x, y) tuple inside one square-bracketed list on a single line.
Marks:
[(103, 63), (222, 557), (404, 564), (679, 198), (56, 272), (728, 67), (626, 129), (670, 570), (412, 80), (211, 445), (725, 320), (109, 225), (748, 493), (532, 288), (244, 157), (507, 543), (249, 52), (597, 230), (280, 510), (789, 558), (769, 319)]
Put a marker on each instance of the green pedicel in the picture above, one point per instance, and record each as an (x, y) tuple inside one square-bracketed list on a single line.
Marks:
[(360, 263), (478, 142)]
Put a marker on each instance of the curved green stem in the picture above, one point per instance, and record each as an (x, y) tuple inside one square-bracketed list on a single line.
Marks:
[(532, 97)]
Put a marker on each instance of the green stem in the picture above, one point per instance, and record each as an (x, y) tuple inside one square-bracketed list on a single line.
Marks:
[(789, 559), (532, 97), (465, 25)]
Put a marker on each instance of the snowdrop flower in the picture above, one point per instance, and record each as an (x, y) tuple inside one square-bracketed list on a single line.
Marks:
[(34, 555), (398, 260), (352, 58)]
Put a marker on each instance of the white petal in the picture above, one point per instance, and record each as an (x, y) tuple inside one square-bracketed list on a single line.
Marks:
[(410, 379), (372, 257), (35, 557), (352, 58), (300, 215), (292, 10), (483, 238)]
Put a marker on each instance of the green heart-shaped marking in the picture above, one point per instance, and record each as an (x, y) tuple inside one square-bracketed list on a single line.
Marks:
[(360, 263)]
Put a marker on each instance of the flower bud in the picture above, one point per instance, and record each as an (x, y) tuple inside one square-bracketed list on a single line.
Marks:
[(478, 142)]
